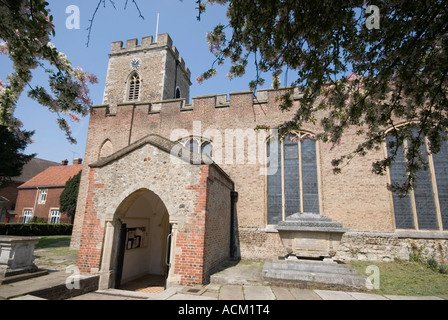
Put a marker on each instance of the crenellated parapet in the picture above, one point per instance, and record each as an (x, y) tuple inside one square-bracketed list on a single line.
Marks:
[(239, 100), (162, 42)]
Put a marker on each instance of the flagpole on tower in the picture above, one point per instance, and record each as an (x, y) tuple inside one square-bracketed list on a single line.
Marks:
[(157, 26)]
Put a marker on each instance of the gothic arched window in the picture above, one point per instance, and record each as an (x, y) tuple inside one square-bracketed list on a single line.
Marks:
[(425, 207), (292, 184), (134, 87), (198, 145), (177, 93)]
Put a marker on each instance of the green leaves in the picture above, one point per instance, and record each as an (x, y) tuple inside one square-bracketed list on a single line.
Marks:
[(357, 77)]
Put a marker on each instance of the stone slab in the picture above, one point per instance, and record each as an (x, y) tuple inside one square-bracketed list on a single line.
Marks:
[(182, 296), (304, 294), (334, 295), (27, 286), (102, 296), (258, 293), (231, 293), (395, 297), (366, 296), (28, 297), (282, 293), (324, 275)]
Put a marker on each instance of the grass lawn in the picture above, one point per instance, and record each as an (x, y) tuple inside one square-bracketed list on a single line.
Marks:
[(406, 278), (53, 241), (58, 245)]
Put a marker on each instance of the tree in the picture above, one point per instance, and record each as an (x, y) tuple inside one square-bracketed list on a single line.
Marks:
[(25, 30), (367, 67), (69, 196), (11, 158)]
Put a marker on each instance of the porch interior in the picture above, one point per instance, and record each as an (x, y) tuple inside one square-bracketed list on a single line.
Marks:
[(149, 283)]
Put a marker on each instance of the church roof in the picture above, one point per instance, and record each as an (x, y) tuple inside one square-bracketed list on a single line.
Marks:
[(163, 144)]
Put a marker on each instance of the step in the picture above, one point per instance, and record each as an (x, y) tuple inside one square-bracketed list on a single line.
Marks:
[(23, 276), (316, 278), (310, 266)]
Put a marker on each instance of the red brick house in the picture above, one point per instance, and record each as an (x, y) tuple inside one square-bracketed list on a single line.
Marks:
[(39, 196), (9, 193)]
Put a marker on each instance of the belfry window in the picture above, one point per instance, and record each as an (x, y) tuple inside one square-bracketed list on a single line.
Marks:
[(134, 87), (426, 206), (292, 186)]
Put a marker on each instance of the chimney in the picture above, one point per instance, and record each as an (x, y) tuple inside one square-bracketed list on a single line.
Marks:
[(64, 162), (77, 161)]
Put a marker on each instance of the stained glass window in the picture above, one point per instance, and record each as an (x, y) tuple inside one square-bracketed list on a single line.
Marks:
[(418, 209), (293, 187)]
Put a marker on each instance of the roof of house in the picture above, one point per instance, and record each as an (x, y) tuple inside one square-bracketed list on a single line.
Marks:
[(32, 168), (52, 177)]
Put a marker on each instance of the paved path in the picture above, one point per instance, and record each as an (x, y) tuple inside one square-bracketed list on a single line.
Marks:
[(22, 289), (244, 292), (240, 283)]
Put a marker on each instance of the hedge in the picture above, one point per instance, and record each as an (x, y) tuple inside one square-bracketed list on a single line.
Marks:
[(35, 229)]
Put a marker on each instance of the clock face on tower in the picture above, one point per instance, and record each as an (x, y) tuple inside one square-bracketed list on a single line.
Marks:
[(135, 63)]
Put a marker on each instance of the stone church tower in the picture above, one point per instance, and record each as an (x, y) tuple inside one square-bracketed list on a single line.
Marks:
[(149, 71)]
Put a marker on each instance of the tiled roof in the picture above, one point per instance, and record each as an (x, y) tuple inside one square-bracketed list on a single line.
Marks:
[(32, 168), (52, 177)]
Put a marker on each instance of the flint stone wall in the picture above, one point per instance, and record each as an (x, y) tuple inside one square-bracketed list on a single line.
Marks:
[(390, 246)]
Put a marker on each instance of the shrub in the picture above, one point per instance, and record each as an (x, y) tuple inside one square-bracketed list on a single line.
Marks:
[(31, 229), (433, 264), (443, 269)]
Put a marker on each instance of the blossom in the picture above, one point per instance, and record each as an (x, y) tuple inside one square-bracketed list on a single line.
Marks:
[(3, 47), (74, 117), (200, 79), (27, 33)]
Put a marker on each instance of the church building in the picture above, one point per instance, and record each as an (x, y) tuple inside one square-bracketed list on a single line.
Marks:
[(174, 188)]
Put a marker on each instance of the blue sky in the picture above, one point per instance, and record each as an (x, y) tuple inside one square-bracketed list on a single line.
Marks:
[(176, 18)]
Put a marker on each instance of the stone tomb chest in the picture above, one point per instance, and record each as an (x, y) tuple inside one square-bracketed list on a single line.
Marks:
[(310, 235), (16, 255)]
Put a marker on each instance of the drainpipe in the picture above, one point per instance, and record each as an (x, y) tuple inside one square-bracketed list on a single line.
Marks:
[(132, 124), (35, 201), (233, 244)]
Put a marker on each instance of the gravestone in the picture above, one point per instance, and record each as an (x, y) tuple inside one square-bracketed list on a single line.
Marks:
[(16, 256), (311, 241)]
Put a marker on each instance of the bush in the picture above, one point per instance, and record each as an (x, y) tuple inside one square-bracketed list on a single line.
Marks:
[(443, 269), (30, 229), (433, 264)]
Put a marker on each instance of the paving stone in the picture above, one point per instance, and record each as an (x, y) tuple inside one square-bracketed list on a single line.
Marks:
[(258, 293), (334, 295), (394, 297), (282, 293), (366, 296), (181, 296), (304, 294), (101, 296), (211, 294), (231, 293)]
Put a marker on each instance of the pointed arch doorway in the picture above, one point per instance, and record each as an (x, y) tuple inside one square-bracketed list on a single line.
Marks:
[(141, 243)]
